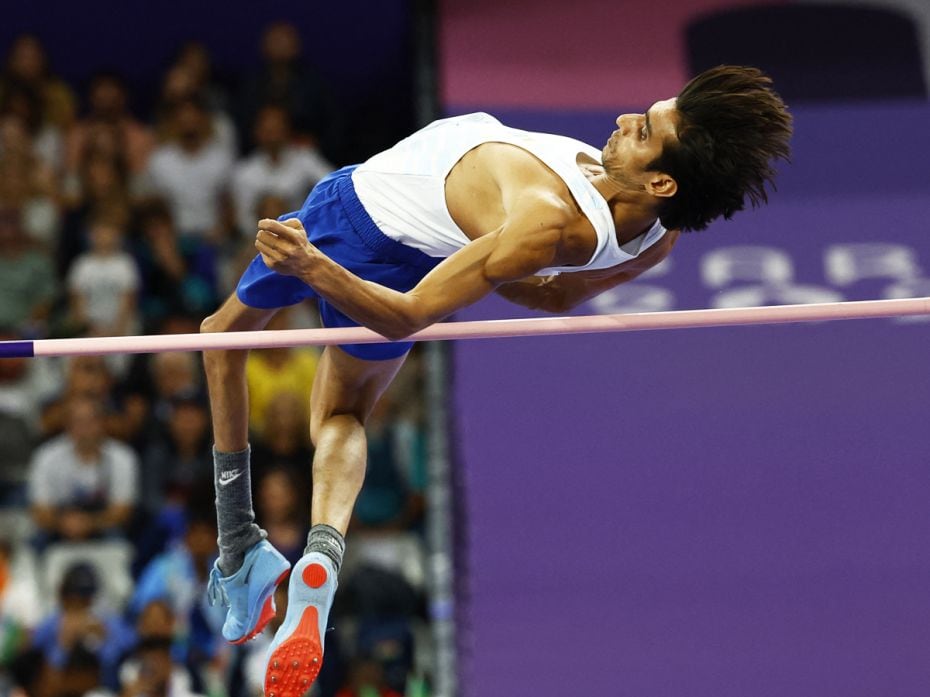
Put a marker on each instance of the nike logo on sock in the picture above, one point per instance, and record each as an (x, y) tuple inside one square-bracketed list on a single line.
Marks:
[(231, 476)]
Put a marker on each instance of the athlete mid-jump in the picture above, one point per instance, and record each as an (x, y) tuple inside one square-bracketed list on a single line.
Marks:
[(459, 209)]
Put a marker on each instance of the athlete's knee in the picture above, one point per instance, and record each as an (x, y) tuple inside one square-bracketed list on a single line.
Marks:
[(214, 323), (220, 361), (340, 423)]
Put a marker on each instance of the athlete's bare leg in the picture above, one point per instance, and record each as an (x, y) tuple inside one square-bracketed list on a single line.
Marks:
[(245, 557), (345, 391), (229, 397)]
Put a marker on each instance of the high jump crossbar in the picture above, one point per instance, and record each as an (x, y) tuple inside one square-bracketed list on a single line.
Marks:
[(484, 329)]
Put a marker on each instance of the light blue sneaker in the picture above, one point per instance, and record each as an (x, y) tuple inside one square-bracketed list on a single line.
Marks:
[(296, 653), (249, 593)]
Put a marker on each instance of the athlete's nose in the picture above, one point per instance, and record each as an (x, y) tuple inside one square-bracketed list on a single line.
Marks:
[(623, 122)]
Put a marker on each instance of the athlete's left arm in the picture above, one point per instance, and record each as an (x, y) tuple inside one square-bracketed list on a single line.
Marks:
[(529, 241), (559, 294)]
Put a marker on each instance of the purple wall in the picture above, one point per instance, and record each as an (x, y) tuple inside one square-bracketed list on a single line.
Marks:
[(720, 512)]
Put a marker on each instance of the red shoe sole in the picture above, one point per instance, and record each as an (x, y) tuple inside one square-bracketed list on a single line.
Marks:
[(294, 665), (268, 613)]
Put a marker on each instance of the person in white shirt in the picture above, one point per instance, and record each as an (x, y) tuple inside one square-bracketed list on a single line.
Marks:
[(192, 172), (278, 166), (103, 283), (83, 484)]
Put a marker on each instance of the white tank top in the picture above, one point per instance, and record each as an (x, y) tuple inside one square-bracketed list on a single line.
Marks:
[(403, 188)]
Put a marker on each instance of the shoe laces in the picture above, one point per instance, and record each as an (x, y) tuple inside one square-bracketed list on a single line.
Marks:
[(216, 592)]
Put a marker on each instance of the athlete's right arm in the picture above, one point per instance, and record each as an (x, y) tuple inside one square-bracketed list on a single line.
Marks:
[(559, 294), (530, 240)]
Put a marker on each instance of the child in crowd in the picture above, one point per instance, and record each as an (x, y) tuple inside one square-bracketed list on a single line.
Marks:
[(103, 283)]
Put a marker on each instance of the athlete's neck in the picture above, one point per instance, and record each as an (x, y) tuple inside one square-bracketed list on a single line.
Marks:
[(634, 212)]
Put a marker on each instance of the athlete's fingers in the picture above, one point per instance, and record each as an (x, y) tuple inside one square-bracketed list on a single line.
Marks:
[(287, 231), (267, 250), (272, 226), (275, 242)]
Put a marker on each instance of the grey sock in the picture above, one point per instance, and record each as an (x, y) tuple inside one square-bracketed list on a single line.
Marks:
[(326, 540), (235, 518)]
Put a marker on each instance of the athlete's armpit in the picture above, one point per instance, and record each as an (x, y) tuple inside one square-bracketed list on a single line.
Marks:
[(562, 293)]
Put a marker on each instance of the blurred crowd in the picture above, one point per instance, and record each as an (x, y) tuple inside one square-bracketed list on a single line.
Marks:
[(124, 212)]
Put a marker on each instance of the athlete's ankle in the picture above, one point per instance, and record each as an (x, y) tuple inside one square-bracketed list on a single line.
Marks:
[(325, 539), (235, 519)]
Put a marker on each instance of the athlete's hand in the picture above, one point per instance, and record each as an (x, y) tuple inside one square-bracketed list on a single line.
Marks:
[(284, 247)]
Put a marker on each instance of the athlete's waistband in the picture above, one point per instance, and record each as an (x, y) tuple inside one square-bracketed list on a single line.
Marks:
[(370, 234)]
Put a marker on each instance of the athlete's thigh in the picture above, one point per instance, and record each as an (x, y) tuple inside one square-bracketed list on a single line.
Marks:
[(234, 315), (345, 384)]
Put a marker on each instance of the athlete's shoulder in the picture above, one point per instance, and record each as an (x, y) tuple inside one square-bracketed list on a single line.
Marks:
[(474, 117), (548, 205)]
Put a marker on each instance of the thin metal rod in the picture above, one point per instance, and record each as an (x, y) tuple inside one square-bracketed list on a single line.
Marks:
[(485, 329)]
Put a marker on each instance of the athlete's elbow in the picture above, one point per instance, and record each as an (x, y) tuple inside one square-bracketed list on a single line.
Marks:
[(557, 307), (558, 302), (395, 328), (397, 332), (404, 322)]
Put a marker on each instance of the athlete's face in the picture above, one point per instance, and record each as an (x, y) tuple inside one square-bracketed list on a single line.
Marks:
[(638, 141)]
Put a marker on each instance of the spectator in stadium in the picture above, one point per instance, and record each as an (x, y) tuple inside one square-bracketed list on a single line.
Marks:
[(191, 172), (277, 166), (388, 501), (20, 607), (174, 464), (27, 182), (179, 85), (103, 283), (25, 385), (90, 377), (173, 374), (285, 440), (27, 65), (153, 381), (280, 504), (178, 577), (27, 278), (44, 142), (270, 372), (287, 78), (156, 666), (78, 676), (76, 624), (176, 276), (21, 389), (101, 191), (195, 58), (109, 122), (83, 484)]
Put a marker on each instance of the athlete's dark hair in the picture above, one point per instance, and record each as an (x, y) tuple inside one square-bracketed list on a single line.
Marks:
[(733, 126)]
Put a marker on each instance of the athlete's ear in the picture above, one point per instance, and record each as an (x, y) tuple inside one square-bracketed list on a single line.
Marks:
[(661, 184)]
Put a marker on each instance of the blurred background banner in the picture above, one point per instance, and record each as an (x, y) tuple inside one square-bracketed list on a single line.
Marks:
[(711, 512)]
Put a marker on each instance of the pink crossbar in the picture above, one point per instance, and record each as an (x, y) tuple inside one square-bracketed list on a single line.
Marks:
[(488, 329)]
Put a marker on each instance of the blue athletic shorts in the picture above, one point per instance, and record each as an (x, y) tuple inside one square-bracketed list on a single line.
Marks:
[(338, 225)]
